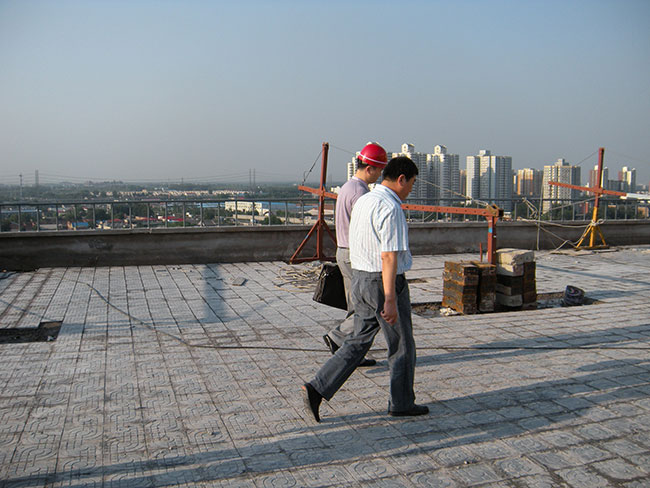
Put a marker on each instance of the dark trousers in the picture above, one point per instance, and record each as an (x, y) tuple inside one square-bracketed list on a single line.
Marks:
[(368, 299)]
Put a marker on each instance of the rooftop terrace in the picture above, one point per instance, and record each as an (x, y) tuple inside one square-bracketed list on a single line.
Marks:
[(182, 375)]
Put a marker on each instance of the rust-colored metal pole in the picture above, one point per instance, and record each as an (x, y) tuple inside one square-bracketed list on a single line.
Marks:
[(321, 201), (492, 239), (320, 227)]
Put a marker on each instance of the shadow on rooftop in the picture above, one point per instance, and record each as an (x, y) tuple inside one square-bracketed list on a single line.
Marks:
[(445, 434), (574, 271), (615, 337), (453, 424)]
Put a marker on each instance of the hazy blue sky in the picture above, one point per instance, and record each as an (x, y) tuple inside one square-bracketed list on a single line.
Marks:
[(165, 89)]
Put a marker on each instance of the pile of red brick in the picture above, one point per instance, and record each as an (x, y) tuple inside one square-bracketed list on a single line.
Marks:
[(470, 287)]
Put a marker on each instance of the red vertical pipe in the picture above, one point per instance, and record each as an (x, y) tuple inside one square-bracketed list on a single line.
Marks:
[(321, 201), (492, 240)]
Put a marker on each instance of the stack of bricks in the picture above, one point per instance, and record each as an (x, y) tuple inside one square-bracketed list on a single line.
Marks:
[(487, 286), (516, 288), (460, 288), (469, 287)]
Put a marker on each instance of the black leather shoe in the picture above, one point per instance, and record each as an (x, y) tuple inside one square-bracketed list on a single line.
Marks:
[(411, 412), (367, 363), (331, 345), (311, 399)]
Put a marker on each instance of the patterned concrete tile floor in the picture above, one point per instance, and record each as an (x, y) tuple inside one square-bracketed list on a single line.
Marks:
[(177, 376)]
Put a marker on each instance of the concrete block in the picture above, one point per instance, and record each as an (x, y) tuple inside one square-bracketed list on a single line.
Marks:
[(513, 281), (510, 301), (514, 256), (529, 287), (510, 269), (529, 297), (504, 308), (514, 285), (509, 290), (529, 271)]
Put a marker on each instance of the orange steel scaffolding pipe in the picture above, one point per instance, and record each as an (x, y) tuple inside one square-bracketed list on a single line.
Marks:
[(491, 214)]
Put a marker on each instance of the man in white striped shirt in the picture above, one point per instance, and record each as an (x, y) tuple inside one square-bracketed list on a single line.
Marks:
[(380, 255)]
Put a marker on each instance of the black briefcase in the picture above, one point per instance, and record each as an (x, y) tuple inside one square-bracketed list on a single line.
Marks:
[(330, 289)]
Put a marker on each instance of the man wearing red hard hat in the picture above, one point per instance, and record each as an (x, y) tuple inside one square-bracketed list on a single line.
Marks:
[(370, 162)]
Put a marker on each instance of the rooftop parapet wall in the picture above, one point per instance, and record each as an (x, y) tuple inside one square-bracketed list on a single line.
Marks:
[(31, 250)]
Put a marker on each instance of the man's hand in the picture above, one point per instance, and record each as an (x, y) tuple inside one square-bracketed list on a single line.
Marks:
[(389, 313)]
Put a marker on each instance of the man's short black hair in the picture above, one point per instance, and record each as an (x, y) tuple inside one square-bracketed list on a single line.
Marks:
[(361, 164), (401, 165)]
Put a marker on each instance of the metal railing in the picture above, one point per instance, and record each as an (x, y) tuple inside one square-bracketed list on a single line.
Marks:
[(153, 214), (156, 214)]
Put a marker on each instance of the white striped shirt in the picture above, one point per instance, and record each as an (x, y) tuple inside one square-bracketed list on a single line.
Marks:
[(378, 225)]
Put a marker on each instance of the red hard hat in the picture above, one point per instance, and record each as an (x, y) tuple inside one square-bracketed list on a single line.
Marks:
[(374, 155)]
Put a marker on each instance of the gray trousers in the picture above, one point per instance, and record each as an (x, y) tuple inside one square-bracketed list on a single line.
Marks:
[(368, 299), (345, 328)]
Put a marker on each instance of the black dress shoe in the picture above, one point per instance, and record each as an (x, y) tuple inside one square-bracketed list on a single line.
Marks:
[(411, 412), (331, 345), (311, 399), (367, 363)]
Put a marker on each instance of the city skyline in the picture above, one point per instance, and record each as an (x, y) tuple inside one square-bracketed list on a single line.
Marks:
[(146, 90), (490, 178), (33, 178)]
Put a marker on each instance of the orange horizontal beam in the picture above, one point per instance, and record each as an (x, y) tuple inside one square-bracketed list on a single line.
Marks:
[(455, 210), (599, 191), (317, 191), (491, 211)]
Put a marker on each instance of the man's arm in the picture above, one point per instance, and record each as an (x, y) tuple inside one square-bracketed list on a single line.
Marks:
[(388, 275)]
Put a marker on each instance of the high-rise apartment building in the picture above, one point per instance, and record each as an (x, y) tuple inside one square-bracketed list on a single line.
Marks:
[(528, 182), (489, 178), (445, 175), (562, 172), (352, 166), (628, 177), (438, 178), (616, 185), (593, 178), (423, 189), (473, 177), (463, 182)]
